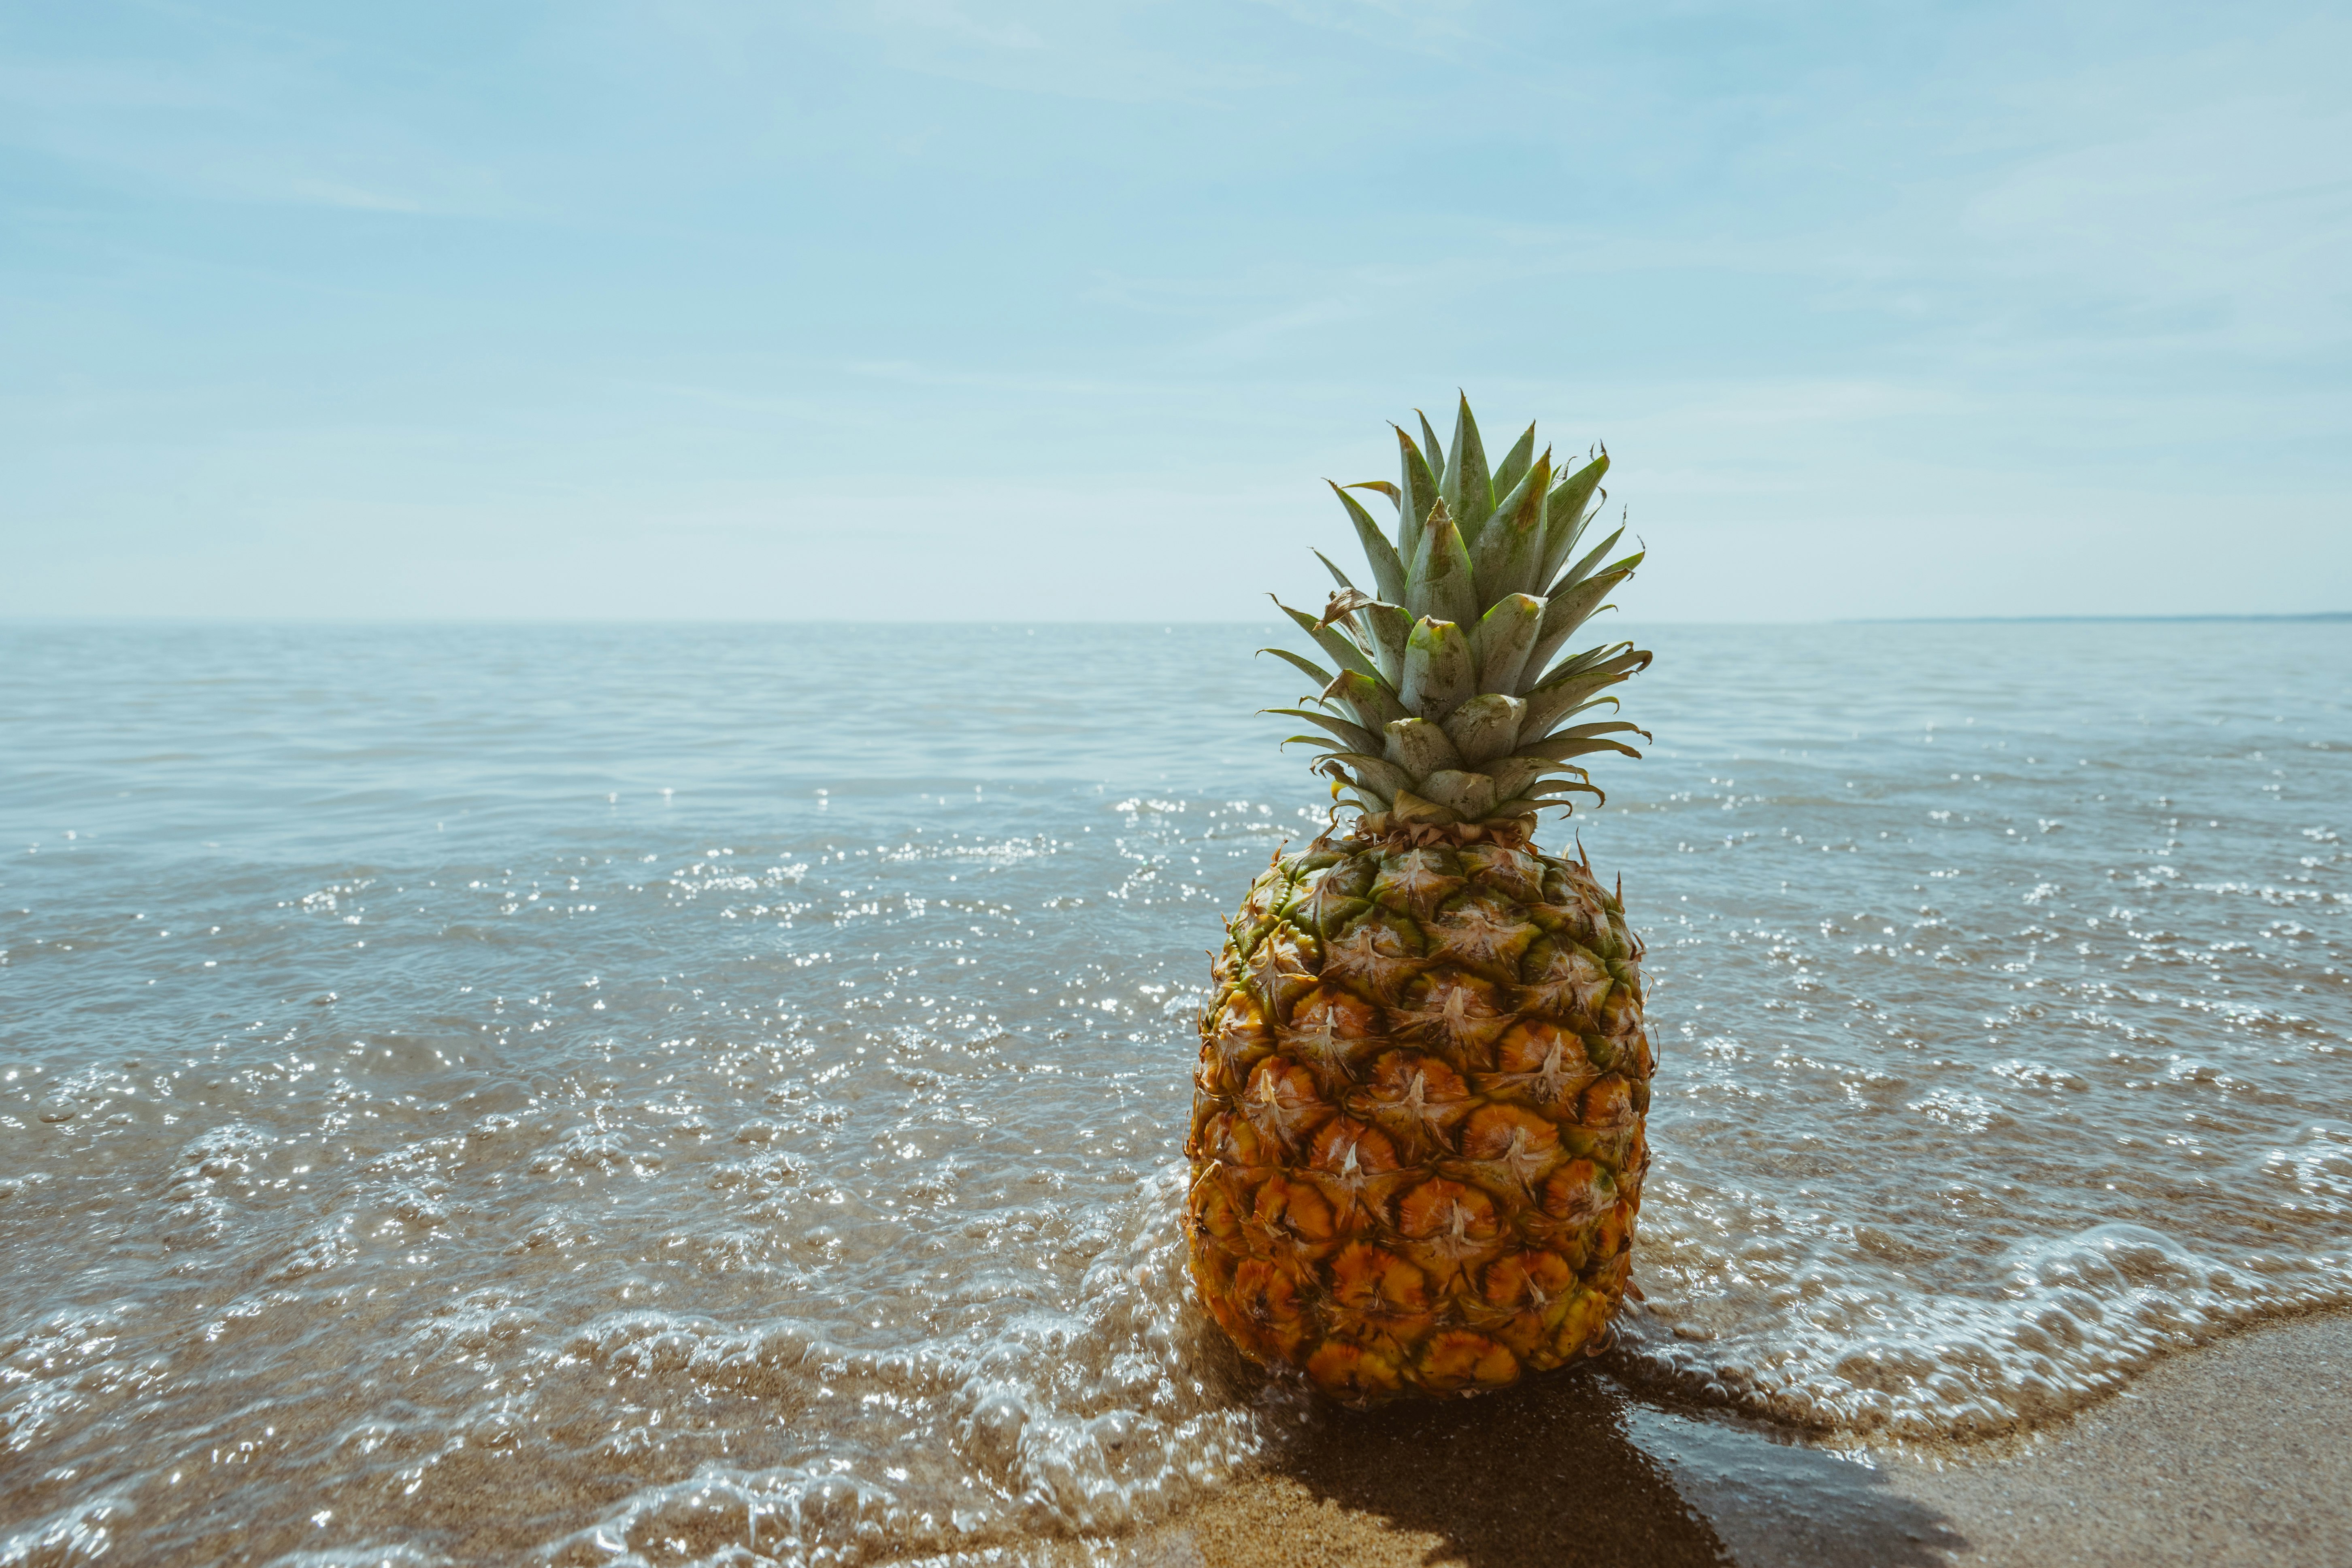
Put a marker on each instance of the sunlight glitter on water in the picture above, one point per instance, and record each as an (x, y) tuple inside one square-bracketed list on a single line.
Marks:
[(639, 1093)]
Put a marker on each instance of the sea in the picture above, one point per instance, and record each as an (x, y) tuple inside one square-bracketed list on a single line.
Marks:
[(714, 1094)]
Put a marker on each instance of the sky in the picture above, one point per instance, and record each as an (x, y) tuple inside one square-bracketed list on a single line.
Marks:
[(1063, 309)]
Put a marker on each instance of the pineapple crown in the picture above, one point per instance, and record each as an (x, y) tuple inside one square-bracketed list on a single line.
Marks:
[(1459, 714)]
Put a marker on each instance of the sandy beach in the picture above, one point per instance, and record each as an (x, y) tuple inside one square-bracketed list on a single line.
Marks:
[(2236, 1453)]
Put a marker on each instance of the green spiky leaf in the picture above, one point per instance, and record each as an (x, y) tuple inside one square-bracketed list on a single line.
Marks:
[(1420, 747), (1354, 736), (1560, 747), (1469, 795), (1431, 448), (1391, 628), (1518, 776), (1348, 655), (1467, 487), (1525, 807), (1566, 513), (1306, 667), (1417, 493), (1485, 726), (1505, 636), (1549, 797), (1410, 807), (1586, 732), (1593, 658), (1510, 547), (1571, 607), (1388, 571), (1514, 466), (1374, 701), (1440, 670), (1441, 583), (1377, 773), (1584, 567), (1572, 690)]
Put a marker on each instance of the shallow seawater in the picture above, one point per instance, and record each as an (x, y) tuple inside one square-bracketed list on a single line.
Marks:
[(651, 1094)]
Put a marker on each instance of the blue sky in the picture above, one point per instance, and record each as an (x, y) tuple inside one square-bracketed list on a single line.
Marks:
[(915, 310)]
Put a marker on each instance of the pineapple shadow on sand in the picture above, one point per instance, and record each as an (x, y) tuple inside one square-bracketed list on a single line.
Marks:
[(1566, 1470)]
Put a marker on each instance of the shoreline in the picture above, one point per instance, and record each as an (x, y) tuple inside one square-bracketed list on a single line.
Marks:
[(2238, 1452)]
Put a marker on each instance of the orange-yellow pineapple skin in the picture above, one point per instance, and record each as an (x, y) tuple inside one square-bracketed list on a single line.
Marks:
[(1417, 1127)]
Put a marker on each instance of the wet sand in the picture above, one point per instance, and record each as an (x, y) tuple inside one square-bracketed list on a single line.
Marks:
[(2240, 1453)]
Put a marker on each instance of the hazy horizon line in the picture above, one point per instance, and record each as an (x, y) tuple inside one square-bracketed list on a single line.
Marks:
[(8, 619)]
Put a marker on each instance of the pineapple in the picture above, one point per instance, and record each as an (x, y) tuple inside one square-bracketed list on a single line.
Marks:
[(1417, 1132)]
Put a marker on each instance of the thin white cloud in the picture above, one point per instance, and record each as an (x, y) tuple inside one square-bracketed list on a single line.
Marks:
[(1434, 28), (275, 128), (1117, 51)]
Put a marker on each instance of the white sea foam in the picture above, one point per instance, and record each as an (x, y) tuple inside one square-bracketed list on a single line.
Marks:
[(1086, 1420)]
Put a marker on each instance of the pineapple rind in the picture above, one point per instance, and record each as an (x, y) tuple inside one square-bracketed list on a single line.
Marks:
[(1417, 1127)]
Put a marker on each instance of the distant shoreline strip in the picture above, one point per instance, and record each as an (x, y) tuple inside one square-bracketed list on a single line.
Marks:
[(2053, 620)]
